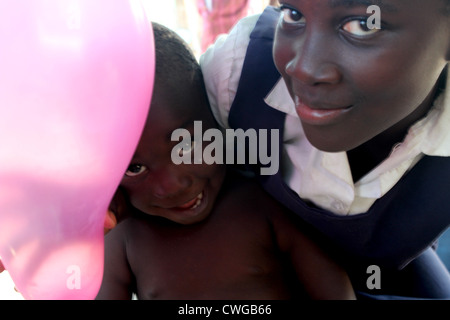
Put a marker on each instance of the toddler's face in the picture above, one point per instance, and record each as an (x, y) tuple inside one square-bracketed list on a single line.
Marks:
[(182, 193), (351, 83)]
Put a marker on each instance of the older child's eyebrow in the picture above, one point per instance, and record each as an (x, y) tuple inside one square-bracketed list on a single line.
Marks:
[(363, 3)]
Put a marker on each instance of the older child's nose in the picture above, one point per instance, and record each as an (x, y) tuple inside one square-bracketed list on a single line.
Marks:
[(312, 62), (168, 182)]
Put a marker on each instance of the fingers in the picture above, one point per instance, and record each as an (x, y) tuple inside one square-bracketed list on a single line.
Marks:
[(110, 221)]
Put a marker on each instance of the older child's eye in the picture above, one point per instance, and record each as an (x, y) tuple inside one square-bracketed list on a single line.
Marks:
[(135, 170), (359, 28), (291, 15)]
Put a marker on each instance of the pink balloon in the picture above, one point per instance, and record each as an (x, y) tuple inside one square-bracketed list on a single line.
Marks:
[(76, 79)]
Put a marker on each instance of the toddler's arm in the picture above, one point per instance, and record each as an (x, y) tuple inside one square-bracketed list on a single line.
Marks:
[(117, 276)]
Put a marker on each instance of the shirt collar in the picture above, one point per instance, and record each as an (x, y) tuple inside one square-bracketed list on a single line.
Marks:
[(280, 99), (437, 140)]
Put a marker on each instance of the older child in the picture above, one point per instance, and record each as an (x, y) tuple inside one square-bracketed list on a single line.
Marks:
[(364, 115), (193, 233)]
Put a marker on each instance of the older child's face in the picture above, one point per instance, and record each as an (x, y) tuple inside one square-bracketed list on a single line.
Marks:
[(182, 193), (350, 83)]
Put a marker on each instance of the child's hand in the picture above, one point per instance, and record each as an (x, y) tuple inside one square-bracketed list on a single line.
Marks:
[(110, 221), (117, 211)]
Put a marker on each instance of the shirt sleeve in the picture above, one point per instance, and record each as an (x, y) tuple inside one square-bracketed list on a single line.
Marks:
[(222, 66)]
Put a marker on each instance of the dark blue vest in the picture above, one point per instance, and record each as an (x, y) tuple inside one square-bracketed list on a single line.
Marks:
[(397, 228)]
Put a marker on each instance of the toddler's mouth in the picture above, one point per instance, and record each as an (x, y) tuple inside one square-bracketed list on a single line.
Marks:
[(191, 204)]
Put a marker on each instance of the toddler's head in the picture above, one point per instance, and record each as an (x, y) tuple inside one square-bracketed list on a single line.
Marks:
[(182, 193)]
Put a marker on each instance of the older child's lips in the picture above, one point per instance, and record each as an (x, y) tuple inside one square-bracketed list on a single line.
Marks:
[(319, 115)]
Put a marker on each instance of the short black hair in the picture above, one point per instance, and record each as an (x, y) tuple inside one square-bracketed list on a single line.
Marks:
[(174, 59)]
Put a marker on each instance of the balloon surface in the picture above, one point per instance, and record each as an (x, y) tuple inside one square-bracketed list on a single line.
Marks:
[(76, 79)]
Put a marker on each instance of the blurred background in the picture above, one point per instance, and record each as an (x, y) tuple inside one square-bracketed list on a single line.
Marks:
[(198, 22)]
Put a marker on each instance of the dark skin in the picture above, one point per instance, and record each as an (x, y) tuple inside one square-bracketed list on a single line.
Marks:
[(246, 249), (360, 90), (236, 243)]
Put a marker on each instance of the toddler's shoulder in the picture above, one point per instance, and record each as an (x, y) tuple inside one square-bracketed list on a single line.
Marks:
[(249, 193)]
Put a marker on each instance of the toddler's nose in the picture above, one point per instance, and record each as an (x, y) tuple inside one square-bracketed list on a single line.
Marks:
[(168, 182)]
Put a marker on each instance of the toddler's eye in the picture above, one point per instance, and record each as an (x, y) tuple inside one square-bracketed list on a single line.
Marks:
[(186, 148), (291, 16), (359, 28), (135, 170)]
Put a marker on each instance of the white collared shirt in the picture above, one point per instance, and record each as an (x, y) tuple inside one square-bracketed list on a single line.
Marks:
[(321, 177)]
